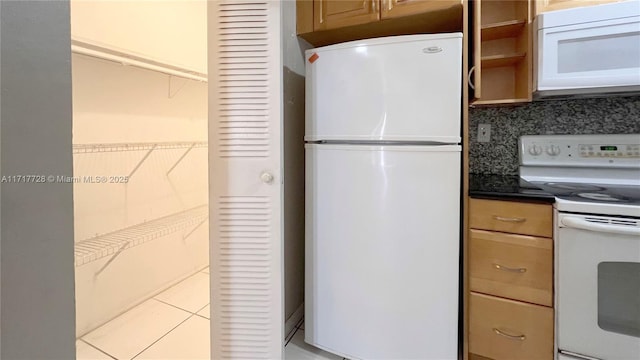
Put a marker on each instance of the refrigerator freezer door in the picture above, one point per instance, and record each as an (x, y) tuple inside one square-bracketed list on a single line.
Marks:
[(382, 250), (397, 88)]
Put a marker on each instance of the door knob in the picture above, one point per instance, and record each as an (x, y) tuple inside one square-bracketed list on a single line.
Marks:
[(266, 177)]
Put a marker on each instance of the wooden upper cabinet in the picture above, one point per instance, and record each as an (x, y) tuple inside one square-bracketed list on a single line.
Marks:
[(396, 8), (552, 5), (502, 52), (332, 14), (325, 22)]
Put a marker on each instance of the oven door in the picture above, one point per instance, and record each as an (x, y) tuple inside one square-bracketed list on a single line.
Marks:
[(598, 286)]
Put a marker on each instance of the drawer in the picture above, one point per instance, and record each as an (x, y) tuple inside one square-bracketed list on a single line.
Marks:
[(511, 330), (511, 217), (513, 266)]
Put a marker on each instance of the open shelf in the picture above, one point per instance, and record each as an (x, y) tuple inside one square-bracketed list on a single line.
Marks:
[(111, 244), (148, 147), (120, 147), (502, 30), (124, 58), (502, 52), (501, 60)]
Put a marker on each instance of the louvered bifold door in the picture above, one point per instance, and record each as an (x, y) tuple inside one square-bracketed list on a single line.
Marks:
[(245, 97)]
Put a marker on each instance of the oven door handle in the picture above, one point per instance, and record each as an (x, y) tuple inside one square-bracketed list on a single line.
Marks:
[(573, 355), (580, 223)]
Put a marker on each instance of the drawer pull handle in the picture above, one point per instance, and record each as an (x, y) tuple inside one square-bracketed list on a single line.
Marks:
[(509, 219), (506, 268), (508, 336)]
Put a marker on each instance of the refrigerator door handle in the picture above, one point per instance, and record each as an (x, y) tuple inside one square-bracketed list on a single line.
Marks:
[(432, 50)]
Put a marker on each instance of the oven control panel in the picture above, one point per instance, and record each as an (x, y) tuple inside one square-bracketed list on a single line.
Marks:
[(617, 150), (581, 150)]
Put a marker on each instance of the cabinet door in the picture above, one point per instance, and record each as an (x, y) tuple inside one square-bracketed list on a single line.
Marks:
[(395, 8), (337, 13), (245, 133), (551, 5)]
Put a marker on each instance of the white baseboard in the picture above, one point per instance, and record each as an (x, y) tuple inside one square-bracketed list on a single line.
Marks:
[(291, 322)]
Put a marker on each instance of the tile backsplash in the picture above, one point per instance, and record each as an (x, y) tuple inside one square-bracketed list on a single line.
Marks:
[(610, 115)]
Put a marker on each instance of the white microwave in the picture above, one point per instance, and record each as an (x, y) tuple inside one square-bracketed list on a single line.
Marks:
[(588, 50)]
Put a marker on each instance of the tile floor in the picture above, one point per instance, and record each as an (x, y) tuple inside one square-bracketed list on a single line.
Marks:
[(173, 325)]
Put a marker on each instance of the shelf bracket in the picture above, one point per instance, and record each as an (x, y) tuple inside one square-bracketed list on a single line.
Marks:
[(194, 229), (115, 255), (142, 160), (181, 158), (171, 95)]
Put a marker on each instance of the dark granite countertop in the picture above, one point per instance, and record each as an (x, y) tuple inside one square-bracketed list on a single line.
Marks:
[(505, 187)]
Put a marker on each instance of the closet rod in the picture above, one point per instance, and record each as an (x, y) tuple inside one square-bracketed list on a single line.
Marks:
[(99, 52)]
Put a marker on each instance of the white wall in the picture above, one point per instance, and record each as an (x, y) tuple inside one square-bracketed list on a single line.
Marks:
[(119, 104), (293, 85), (37, 313), (145, 28), (293, 47)]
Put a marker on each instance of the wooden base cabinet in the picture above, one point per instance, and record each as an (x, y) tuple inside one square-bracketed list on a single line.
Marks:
[(511, 314), (506, 329)]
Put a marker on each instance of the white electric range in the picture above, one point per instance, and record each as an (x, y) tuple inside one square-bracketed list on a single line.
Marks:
[(596, 182)]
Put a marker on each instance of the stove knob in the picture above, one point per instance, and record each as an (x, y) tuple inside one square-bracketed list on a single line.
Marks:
[(535, 150), (553, 150)]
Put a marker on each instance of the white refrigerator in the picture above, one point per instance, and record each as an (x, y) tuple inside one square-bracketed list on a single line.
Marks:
[(382, 228)]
